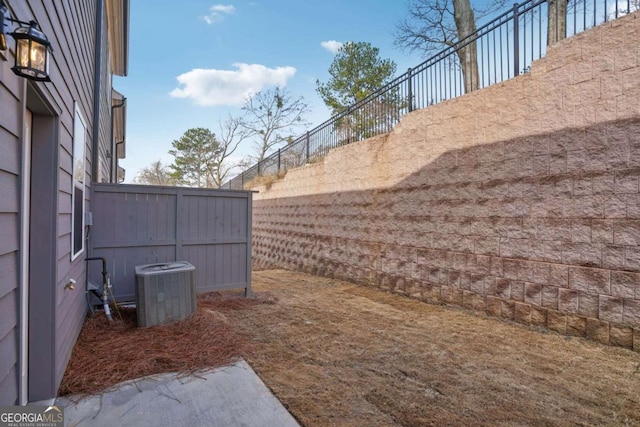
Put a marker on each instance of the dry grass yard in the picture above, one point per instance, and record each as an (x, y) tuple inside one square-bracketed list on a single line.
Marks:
[(340, 354), (337, 354)]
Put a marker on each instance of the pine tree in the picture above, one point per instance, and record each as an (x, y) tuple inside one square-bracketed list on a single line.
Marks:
[(194, 158)]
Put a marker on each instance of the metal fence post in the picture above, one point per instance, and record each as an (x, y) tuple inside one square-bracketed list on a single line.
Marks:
[(516, 41), (278, 159), (409, 90), (307, 146)]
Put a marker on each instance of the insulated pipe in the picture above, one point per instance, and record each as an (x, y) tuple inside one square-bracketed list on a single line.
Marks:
[(106, 284), (86, 278), (104, 266)]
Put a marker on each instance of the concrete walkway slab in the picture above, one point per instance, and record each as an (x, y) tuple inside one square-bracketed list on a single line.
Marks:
[(229, 396)]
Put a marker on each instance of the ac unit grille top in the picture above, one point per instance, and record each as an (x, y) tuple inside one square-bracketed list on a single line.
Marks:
[(163, 267)]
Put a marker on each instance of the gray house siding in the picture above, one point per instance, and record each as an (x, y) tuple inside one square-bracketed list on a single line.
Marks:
[(55, 313), (8, 327), (72, 29), (10, 154), (104, 134)]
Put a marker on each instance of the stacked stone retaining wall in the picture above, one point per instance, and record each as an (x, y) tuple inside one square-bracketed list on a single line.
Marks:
[(521, 200)]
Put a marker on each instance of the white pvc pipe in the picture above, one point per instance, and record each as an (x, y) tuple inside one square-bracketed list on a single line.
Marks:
[(107, 311)]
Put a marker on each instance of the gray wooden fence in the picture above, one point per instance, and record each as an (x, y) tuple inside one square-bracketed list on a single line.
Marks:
[(139, 224)]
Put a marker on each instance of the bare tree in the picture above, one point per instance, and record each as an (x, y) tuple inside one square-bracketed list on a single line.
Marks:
[(556, 21), (155, 174), (231, 133), (468, 55), (273, 116), (432, 25)]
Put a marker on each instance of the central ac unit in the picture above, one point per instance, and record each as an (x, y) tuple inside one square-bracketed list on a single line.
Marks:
[(165, 292)]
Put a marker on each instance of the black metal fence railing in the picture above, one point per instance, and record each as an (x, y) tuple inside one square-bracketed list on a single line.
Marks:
[(503, 48)]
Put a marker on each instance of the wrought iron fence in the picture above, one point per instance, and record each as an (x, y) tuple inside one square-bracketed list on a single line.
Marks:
[(503, 48)]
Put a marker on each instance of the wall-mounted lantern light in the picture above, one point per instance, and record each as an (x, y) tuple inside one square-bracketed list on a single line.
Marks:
[(32, 47)]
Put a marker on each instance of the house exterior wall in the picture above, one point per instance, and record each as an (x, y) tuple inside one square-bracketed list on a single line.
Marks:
[(104, 135), (10, 155), (71, 28), (520, 200)]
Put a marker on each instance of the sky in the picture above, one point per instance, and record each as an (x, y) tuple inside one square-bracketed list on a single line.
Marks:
[(193, 62)]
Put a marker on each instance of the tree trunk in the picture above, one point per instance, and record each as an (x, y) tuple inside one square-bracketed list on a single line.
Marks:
[(468, 55), (557, 21)]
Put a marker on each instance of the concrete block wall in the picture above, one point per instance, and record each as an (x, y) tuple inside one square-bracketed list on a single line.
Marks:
[(521, 200)]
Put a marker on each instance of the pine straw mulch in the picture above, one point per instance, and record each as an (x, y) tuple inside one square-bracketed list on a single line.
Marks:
[(108, 353)]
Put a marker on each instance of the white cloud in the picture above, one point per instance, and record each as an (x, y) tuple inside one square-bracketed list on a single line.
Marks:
[(332, 46), (223, 8), (209, 87), (218, 12)]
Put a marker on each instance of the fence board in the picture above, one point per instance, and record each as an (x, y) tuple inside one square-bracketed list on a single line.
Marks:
[(135, 224)]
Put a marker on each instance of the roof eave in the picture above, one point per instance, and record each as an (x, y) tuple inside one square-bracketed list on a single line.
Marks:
[(118, 27)]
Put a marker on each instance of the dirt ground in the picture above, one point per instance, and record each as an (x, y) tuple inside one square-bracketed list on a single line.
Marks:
[(338, 354), (345, 355)]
